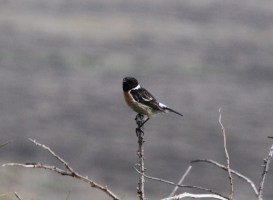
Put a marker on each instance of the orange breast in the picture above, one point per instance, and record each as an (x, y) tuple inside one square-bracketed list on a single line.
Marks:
[(128, 98), (137, 107)]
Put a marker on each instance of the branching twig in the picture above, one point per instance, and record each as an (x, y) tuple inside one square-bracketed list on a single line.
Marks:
[(53, 154), (185, 186), (227, 156), (139, 131), (265, 170), (180, 181), (68, 172), (231, 170), (195, 196)]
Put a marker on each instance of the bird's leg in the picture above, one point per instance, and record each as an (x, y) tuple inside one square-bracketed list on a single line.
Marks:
[(144, 122), (139, 119)]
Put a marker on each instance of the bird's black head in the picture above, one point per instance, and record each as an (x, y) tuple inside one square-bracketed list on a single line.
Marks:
[(129, 83)]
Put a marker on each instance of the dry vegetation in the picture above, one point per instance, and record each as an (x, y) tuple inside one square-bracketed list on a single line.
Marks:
[(61, 66)]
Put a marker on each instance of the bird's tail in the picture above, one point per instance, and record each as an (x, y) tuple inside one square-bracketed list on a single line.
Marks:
[(171, 110)]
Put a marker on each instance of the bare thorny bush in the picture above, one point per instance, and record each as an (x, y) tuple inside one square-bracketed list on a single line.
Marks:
[(68, 171)]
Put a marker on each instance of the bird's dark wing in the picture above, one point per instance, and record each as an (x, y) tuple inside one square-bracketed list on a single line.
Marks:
[(142, 96)]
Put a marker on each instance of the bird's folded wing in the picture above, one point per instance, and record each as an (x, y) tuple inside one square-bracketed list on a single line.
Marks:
[(142, 96)]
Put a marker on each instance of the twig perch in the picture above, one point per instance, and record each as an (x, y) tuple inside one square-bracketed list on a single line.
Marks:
[(227, 156), (231, 170), (140, 134), (68, 172), (266, 167)]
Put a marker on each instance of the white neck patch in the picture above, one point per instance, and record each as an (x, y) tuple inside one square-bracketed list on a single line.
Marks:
[(137, 87)]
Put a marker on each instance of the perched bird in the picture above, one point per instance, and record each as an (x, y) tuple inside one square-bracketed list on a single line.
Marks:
[(141, 101)]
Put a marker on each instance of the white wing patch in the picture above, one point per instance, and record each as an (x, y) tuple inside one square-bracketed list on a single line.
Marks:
[(137, 87), (162, 105)]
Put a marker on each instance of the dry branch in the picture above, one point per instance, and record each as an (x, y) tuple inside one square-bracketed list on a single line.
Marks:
[(140, 134), (231, 170), (265, 170), (5, 194), (195, 196), (68, 172), (227, 156), (185, 186), (1, 145), (180, 181), (18, 197)]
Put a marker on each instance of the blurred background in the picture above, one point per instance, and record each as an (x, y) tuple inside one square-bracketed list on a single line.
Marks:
[(61, 68)]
